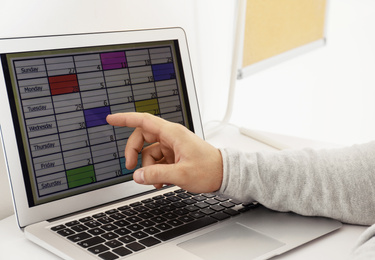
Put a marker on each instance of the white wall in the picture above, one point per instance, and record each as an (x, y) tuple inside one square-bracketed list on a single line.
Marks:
[(327, 94)]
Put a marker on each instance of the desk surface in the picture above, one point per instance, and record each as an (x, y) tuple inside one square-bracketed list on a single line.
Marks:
[(337, 245)]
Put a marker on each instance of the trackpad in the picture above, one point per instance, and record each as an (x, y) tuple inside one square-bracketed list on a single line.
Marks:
[(231, 242)]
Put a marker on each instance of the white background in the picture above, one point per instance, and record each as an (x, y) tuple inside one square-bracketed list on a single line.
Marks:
[(327, 94)]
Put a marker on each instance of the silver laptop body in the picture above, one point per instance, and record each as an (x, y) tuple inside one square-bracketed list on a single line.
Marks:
[(72, 193)]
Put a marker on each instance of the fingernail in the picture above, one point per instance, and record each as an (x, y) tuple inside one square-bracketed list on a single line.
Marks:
[(139, 176)]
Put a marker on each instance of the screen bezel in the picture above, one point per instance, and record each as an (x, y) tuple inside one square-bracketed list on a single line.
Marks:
[(26, 214)]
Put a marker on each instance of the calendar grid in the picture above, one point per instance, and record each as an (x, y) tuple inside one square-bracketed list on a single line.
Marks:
[(65, 99)]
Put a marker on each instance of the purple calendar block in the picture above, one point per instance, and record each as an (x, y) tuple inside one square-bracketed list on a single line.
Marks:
[(96, 116), (163, 71), (113, 60)]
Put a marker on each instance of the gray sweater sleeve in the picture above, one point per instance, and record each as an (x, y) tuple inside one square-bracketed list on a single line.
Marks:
[(334, 183)]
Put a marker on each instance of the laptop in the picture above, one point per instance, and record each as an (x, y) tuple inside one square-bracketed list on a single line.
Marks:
[(72, 193)]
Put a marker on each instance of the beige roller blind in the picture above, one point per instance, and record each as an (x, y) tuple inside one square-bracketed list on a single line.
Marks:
[(273, 27)]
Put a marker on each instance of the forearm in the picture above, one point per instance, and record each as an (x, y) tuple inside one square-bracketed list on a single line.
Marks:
[(337, 183)]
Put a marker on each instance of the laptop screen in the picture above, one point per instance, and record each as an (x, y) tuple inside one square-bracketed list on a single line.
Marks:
[(59, 102)]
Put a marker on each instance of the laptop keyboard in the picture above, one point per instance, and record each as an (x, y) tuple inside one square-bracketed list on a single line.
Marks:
[(122, 231)]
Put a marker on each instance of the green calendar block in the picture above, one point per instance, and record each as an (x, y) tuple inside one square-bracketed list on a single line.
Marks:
[(80, 176)]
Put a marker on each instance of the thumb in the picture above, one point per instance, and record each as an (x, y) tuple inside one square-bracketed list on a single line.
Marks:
[(156, 174)]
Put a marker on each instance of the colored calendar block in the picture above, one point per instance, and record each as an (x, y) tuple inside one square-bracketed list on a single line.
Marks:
[(96, 116), (149, 106), (113, 60), (80, 176), (163, 71), (63, 84)]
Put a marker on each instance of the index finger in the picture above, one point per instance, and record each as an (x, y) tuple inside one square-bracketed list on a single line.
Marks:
[(146, 121)]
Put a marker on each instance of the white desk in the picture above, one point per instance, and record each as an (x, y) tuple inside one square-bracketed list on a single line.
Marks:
[(13, 244)]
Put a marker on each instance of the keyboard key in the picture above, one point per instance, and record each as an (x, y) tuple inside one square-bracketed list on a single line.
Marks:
[(189, 201), (209, 195), (127, 239), (186, 219), (133, 219), (220, 216), (186, 228), (146, 215), (202, 205), (111, 211), (217, 208), (227, 204), (152, 205), (168, 208), (113, 243), (96, 231), (208, 211), (191, 208), (135, 227), (212, 201), (135, 246), (197, 214), (122, 231), (199, 198), (150, 241), (65, 232), (105, 220), (178, 204), (123, 208), (163, 226), (157, 197), (91, 242), (157, 212), (181, 212), (184, 195), (135, 204), (129, 212), (147, 223), (146, 201), (121, 223), (173, 199), (122, 251), (79, 228), (159, 219), (162, 202), (109, 236), (72, 223), (168, 194), (99, 215), (221, 199), (108, 256), (59, 227), (139, 235), (151, 230), (141, 209), (231, 212), (78, 237), (170, 215), (98, 249), (92, 224), (175, 222), (85, 219), (117, 216), (109, 227)]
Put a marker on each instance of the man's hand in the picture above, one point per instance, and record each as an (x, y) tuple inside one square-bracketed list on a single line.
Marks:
[(177, 156)]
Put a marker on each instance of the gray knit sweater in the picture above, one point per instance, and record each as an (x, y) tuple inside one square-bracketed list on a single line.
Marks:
[(334, 183)]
